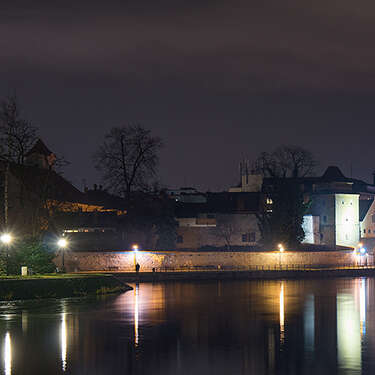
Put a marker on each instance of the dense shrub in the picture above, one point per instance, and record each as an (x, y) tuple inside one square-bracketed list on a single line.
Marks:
[(31, 253)]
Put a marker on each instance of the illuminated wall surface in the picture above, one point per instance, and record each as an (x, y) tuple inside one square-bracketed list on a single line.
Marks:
[(124, 261), (310, 226), (347, 219), (259, 327)]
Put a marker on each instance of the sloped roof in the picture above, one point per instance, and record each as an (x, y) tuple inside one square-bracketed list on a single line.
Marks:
[(364, 206), (39, 148), (48, 182), (105, 199), (334, 173)]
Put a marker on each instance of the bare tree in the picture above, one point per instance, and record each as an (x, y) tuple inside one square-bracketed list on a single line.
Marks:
[(128, 159), (17, 135), (286, 161), (226, 230)]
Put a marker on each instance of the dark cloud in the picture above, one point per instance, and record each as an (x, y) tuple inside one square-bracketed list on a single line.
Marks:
[(217, 80)]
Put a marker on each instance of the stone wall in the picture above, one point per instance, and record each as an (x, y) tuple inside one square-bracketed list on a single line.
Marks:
[(125, 261)]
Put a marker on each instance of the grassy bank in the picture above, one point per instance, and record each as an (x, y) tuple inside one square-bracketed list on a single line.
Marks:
[(58, 286)]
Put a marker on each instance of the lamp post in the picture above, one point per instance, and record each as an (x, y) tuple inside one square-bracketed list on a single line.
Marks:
[(62, 243), (281, 250), (135, 251), (6, 239)]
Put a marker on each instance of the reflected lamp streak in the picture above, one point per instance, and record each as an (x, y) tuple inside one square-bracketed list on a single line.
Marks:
[(136, 313), (362, 306), (63, 342), (7, 355), (282, 325)]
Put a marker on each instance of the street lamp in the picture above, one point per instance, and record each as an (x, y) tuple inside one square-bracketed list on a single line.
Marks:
[(281, 250), (62, 243), (6, 239), (135, 251)]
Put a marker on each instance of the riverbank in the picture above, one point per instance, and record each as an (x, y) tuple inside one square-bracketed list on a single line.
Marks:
[(59, 286), (246, 274)]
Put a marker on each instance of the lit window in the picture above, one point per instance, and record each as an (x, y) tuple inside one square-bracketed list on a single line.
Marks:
[(269, 200)]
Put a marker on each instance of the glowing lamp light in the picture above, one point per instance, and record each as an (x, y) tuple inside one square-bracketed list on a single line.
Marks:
[(362, 250), (6, 238), (281, 247), (135, 248), (62, 242)]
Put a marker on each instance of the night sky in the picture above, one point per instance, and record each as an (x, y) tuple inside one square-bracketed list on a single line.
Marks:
[(218, 81)]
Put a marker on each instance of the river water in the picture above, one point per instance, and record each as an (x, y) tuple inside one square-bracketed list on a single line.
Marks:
[(224, 327)]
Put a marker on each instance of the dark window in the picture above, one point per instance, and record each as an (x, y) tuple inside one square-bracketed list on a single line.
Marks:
[(180, 239), (248, 237), (373, 218), (368, 230), (364, 230), (210, 216), (325, 219)]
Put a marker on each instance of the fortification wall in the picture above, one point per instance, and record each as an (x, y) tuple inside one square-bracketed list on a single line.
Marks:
[(125, 261)]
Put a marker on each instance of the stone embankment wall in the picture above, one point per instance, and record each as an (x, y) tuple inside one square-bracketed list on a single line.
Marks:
[(125, 261)]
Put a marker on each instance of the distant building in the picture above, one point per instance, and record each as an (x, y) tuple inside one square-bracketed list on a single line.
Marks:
[(35, 198), (186, 195), (338, 205), (226, 220)]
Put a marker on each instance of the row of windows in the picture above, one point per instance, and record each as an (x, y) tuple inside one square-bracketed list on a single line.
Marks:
[(368, 231), (342, 202), (246, 237)]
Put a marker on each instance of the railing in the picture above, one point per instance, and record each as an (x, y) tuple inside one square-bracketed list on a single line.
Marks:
[(259, 268)]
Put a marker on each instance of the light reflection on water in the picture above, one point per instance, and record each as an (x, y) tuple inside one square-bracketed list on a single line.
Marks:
[(282, 316), (136, 314), (63, 342), (7, 355), (261, 327)]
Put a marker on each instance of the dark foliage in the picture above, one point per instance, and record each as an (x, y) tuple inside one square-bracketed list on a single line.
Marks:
[(282, 221)]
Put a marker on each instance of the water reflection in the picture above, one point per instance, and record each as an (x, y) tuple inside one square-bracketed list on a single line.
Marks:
[(349, 329), (63, 338), (309, 323), (136, 313), (24, 318), (7, 355), (362, 305), (282, 318), (260, 327)]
